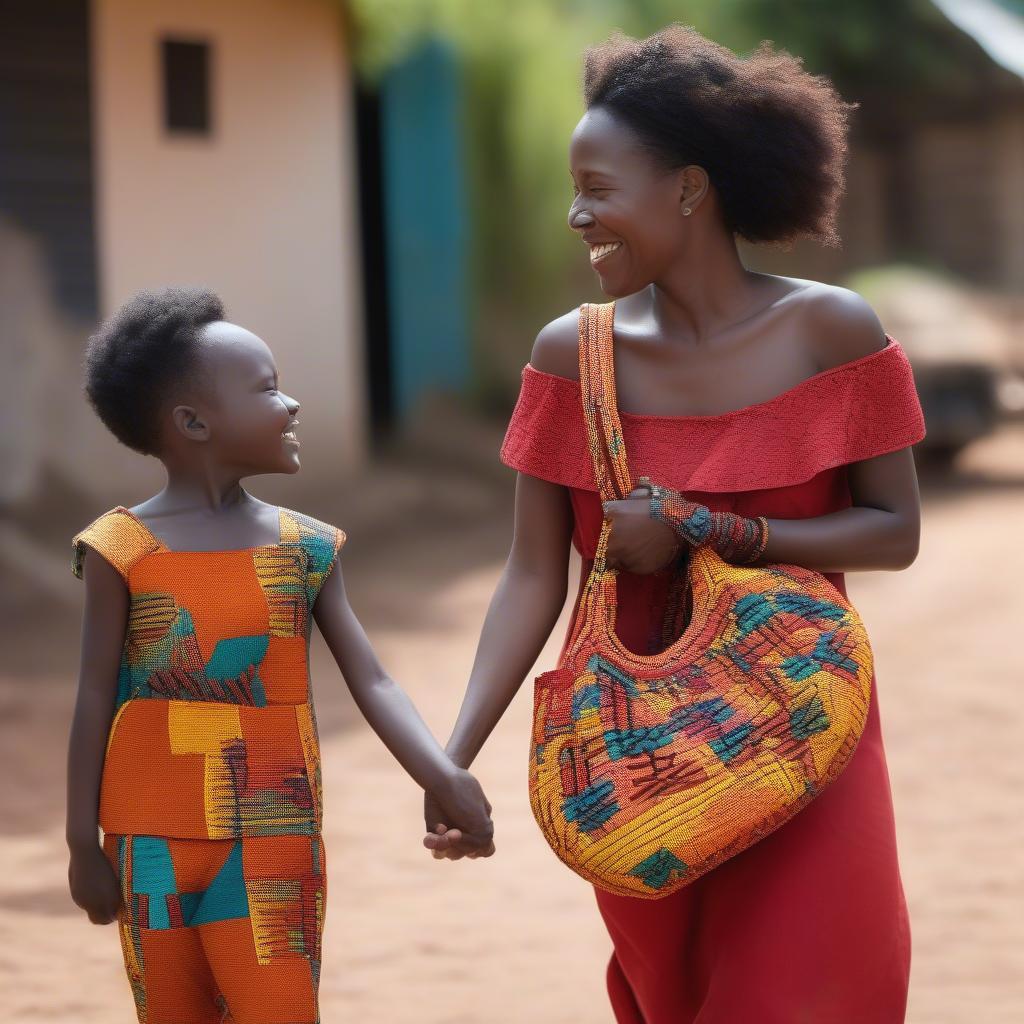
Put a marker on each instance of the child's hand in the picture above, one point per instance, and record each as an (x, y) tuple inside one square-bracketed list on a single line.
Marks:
[(94, 885), (458, 819), (446, 844)]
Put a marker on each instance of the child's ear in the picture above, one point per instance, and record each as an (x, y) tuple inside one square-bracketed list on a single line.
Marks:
[(188, 424)]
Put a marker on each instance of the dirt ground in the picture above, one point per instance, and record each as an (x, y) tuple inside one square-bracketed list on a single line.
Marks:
[(517, 938)]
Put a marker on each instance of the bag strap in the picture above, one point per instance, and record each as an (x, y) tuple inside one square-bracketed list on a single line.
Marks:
[(600, 408)]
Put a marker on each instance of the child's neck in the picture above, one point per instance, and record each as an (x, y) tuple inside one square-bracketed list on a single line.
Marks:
[(201, 487)]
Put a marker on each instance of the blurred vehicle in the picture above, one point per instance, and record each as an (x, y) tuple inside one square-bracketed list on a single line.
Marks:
[(958, 347)]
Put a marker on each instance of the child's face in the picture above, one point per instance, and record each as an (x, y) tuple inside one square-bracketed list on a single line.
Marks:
[(250, 421)]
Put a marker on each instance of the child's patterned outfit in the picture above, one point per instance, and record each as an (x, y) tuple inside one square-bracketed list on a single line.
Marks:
[(210, 803)]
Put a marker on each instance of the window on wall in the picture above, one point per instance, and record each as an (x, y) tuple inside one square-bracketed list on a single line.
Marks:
[(186, 79)]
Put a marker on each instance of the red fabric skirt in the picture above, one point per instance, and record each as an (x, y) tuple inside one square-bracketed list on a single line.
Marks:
[(808, 925)]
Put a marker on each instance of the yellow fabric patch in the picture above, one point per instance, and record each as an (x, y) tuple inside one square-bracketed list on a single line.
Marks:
[(201, 728)]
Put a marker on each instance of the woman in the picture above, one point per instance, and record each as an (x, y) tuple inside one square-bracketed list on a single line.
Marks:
[(754, 396)]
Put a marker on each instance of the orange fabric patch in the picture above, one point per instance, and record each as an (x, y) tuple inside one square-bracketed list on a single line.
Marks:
[(220, 590), (279, 992), (273, 730), (283, 670), (171, 783), (277, 856)]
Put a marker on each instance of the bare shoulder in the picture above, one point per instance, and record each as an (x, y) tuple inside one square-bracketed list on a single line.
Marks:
[(556, 349), (842, 326)]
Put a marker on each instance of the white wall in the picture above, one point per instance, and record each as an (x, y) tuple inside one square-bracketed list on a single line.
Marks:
[(263, 212)]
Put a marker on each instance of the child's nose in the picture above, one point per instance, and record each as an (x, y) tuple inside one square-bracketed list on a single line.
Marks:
[(291, 404)]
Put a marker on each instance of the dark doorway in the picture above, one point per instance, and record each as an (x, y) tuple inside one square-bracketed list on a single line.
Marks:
[(374, 255), (46, 180)]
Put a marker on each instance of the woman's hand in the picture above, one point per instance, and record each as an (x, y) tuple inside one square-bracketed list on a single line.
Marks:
[(94, 885), (638, 543), (453, 843)]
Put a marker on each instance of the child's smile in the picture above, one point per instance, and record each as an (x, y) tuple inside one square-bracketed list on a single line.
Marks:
[(250, 422)]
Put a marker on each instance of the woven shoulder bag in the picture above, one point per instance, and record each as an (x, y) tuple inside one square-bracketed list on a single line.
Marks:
[(647, 771)]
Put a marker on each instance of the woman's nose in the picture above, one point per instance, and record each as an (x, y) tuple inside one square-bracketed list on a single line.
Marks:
[(579, 216), (291, 404)]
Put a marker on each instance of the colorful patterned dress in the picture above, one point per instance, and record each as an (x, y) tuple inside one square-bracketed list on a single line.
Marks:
[(810, 924), (210, 802)]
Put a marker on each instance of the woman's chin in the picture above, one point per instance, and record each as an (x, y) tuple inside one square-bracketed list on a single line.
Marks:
[(615, 288)]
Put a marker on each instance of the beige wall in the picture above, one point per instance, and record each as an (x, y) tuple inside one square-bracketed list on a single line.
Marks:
[(263, 211)]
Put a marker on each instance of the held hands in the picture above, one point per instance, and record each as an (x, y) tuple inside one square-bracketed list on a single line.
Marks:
[(463, 804), (94, 885)]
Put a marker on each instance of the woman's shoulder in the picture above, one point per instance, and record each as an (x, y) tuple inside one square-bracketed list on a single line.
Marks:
[(839, 326), (556, 348)]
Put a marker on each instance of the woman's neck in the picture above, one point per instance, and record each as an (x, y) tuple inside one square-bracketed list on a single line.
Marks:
[(704, 292)]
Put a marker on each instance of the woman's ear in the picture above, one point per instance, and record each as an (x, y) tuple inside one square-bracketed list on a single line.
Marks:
[(187, 422), (693, 186)]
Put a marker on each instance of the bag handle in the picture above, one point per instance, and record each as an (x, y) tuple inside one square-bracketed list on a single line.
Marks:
[(600, 407)]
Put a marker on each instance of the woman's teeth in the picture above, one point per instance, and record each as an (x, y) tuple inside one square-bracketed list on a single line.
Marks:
[(598, 252)]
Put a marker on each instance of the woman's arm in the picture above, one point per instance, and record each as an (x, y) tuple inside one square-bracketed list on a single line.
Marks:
[(394, 718), (526, 604), (94, 886), (881, 530)]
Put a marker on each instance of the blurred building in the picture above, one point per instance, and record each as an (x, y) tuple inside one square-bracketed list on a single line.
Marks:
[(936, 173), (221, 143)]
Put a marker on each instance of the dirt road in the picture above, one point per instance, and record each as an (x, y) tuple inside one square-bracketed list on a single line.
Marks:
[(517, 938)]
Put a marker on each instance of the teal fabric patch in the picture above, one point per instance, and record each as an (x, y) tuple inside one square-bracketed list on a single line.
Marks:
[(153, 874), (226, 896)]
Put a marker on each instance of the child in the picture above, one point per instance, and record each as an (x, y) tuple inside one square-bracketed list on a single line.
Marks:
[(194, 741)]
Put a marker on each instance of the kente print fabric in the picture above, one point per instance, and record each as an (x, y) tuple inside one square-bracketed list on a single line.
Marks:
[(214, 734), (649, 770), (226, 930)]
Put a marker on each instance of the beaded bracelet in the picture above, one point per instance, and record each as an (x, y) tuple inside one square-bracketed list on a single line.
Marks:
[(737, 539)]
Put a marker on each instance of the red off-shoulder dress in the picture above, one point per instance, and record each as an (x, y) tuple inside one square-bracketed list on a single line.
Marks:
[(810, 924)]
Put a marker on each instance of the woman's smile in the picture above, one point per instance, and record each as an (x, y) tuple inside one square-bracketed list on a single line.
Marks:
[(602, 250)]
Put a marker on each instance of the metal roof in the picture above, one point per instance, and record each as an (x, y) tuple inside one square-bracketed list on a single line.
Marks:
[(996, 25)]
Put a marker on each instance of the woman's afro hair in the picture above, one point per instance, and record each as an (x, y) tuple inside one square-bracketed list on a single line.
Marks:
[(771, 136), (138, 355)]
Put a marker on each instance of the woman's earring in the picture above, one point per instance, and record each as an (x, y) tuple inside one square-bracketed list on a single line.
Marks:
[(687, 210)]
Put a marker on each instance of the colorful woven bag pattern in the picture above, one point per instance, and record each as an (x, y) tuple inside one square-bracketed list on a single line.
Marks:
[(647, 771), (214, 734)]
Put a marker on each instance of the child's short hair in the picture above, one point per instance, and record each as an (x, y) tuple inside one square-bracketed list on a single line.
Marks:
[(150, 343)]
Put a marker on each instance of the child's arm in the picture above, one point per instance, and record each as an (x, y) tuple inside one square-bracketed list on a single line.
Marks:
[(394, 718), (93, 882)]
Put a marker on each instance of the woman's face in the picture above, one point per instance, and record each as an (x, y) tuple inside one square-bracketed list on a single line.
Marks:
[(627, 208)]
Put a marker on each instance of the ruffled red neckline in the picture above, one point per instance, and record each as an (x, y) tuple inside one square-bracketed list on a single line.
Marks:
[(847, 413), (814, 379)]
